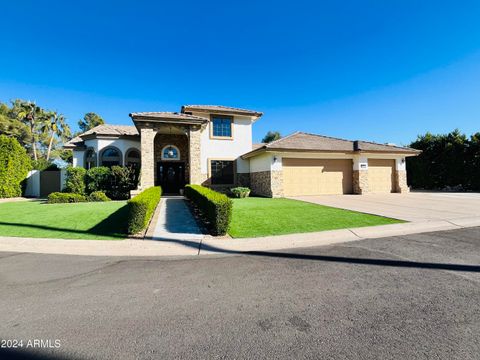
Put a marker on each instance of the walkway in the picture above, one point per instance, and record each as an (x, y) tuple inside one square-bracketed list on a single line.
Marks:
[(175, 226)]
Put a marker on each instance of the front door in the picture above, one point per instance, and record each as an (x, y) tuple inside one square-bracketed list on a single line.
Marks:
[(171, 176)]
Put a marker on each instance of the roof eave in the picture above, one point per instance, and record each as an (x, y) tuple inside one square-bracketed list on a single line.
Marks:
[(256, 114)]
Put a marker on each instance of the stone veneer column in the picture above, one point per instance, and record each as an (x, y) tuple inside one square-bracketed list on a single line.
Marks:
[(194, 152), (360, 175), (147, 177), (360, 182), (401, 182), (276, 183)]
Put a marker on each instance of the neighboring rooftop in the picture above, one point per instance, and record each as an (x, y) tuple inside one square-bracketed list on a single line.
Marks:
[(301, 141), (220, 109)]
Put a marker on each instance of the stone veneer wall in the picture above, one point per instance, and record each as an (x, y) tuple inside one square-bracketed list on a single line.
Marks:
[(180, 141), (243, 179), (360, 181), (147, 177), (196, 176), (401, 182), (267, 183)]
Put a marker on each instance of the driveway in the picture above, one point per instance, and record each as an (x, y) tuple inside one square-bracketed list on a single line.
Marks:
[(403, 297), (415, 206)]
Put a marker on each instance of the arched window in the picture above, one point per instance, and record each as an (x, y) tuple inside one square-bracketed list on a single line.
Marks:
[(132, 158), (170, 152), (90, 159), (111, 156)]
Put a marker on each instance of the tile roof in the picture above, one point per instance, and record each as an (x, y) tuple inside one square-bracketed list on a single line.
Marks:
[(221, 108), (167, 115), (105, 129), (301, 141)]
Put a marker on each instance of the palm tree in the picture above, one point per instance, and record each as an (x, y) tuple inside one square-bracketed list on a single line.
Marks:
[(54, 124), (28, 112)]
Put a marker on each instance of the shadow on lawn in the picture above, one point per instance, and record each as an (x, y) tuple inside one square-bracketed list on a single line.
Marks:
[(115, 225)]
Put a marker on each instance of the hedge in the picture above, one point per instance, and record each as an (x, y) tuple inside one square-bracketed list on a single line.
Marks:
[(98, 196), (141, 209), (14, 167), (215, 207), (75, 182), (59, 197), (240, 192)]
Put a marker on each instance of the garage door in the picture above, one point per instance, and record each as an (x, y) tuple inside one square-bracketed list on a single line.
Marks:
[(317, 176), (381, 175)]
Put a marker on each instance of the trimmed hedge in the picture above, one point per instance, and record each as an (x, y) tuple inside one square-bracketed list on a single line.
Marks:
[(98, 196), (215, 207), (14, 167), (75, 182), (141, 209), (59, 197)]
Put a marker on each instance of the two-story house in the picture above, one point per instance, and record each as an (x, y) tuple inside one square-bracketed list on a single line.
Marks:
[(212, 145)]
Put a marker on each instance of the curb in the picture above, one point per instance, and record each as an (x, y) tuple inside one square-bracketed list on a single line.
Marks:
[(210, 245)]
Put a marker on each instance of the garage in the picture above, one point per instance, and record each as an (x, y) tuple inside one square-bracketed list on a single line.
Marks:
[(317, 176), (381, 175)]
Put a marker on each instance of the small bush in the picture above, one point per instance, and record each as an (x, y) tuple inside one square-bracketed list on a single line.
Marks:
[(75, 182), (98, 196), (120, 183), (14, 167), (59, 197), (97, 179), (215, 207), (141, 209), (240, 192)]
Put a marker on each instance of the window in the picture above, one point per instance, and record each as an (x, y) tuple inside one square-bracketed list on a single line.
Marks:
[(221, 172), (111, 157), (222, 126), (90, 159), (170, 152), (133, 159)]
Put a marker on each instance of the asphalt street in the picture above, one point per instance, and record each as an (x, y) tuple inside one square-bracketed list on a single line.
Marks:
[(408, 297)]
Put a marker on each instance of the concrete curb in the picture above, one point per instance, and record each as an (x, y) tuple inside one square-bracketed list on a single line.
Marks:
[(211, 245)]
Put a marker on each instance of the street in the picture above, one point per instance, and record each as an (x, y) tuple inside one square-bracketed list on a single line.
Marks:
[(406, 297)]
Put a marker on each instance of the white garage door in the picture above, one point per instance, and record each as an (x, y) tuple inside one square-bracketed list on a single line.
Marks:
[(317, 176)]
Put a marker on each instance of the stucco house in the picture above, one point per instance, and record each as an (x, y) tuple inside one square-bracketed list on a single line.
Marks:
[(212, 145)]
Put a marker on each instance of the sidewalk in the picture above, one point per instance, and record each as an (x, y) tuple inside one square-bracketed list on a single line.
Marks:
[(210, 245)]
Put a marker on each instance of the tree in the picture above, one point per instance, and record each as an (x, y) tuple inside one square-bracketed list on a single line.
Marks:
[(89, 121), (30, 114), (271, 136), (12, 127), (55, 126)]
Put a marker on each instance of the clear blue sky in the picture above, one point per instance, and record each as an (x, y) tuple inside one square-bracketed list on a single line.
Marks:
[(374, 70)]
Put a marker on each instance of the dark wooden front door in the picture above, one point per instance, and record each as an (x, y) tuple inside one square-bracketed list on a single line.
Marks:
[(171, 176)]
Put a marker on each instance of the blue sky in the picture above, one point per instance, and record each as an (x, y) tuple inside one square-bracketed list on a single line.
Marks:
[(373, 70)]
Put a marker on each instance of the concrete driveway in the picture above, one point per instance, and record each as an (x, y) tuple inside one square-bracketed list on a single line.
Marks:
[(415, 206)]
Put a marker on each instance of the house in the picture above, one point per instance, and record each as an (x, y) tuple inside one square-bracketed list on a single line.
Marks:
[(212, 145)]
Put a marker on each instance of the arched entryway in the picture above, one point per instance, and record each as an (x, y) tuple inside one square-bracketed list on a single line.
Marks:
[(171, 159)]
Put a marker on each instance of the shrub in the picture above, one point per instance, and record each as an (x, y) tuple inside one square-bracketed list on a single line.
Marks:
[(98, 196), (97, 179), (240, 192), (14, 167), (215, 207), (120, 183), (59, 197), (75, 182), (141, 209)]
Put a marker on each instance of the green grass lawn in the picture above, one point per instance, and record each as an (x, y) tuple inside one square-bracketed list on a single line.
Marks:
[(95, 220), (253, 217)]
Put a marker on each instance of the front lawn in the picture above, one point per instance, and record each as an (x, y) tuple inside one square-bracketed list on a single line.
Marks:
[(94, 220), (254, 217)]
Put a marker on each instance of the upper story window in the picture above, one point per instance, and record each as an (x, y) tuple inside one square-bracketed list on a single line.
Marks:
[(221, 126), (170, 152), (111, 156)]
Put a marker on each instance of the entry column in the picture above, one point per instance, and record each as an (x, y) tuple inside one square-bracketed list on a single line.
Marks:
[(147, 177), (194, 153)]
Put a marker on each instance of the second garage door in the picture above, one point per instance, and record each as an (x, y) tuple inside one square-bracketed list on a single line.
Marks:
[(317, 176), (381, 175)]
